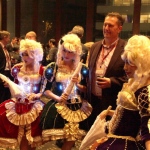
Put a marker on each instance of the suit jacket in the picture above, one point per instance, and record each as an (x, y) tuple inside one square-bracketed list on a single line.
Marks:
[(2, 60), (9, 47), (114, 71), (52, 54), (4, 92), (84, 53)]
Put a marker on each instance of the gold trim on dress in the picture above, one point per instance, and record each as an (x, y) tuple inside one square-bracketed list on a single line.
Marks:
[(121, 137), (54, 134), (9, 143), (74, 116), (23, 119)]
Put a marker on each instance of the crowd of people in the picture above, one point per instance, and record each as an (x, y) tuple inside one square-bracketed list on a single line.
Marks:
[(97, 92)]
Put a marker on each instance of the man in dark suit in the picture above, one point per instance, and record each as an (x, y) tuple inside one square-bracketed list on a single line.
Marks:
[(106, 74), (12, 44), (5, 65), (51, 57)]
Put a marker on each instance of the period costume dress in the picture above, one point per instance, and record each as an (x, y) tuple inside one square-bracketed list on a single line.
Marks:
[(122, 131), (18, 115), (64, 120)]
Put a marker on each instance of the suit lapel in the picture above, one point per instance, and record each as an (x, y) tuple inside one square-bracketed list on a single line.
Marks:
[(95, 54), (1, 51)]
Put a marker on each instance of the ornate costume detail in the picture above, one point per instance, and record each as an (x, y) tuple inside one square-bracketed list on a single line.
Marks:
[(25, 118), (66, 117), (26, 79), (15, 69), (50, 71), (127, 99), (72, 131), (54, 134), (74, 116), (85, 71), (98, 142), (20, 113), (113, 124), (122, 137), (13, 143), (143, 101)]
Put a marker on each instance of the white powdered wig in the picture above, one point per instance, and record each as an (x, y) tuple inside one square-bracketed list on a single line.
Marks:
[(72, 43), (34, 50), (137, 52)]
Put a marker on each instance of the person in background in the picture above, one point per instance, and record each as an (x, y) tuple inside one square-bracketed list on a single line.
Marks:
[(79, 31), (21, 38), (15, 56), (31, 35), (14, 43), (51, 57), (19, 115), (46, 52), (65, 115), (106, 74), (88, 45), (129, 127), (5, 65)]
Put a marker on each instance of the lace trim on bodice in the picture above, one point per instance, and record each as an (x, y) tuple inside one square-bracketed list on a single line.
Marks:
[(126, 99)]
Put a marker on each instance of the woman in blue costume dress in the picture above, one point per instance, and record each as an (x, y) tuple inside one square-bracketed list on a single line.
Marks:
[(65, 115), (19, 116), (129, 128)]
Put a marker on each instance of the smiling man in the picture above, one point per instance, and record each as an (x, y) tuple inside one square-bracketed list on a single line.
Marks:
[(106, 74)]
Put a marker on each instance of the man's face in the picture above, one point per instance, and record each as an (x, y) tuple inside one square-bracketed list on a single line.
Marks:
[(14, 41), (111, 28), (50, 44), (6, 40), (30, 37)]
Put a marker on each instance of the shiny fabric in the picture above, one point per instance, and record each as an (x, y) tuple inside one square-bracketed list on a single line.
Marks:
[(143, 96), (19, 116), (123, 129), (60, 120)]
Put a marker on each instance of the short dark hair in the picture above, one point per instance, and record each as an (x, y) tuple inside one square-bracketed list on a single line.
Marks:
[(78, 30), (118, 16), (52, 41), (3, 34)]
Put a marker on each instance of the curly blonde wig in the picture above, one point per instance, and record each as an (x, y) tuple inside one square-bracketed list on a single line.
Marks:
[(72, 43), (33, 48), (137, 52)]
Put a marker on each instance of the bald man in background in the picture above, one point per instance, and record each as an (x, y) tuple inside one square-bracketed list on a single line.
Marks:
[(31, 35)]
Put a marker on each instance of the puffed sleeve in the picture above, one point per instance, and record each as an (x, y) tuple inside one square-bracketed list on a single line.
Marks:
[(14, 71), (84, 74), (49, 74), (144, 109)]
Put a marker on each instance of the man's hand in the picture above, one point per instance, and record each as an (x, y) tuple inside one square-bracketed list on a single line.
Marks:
[(103, 82)]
